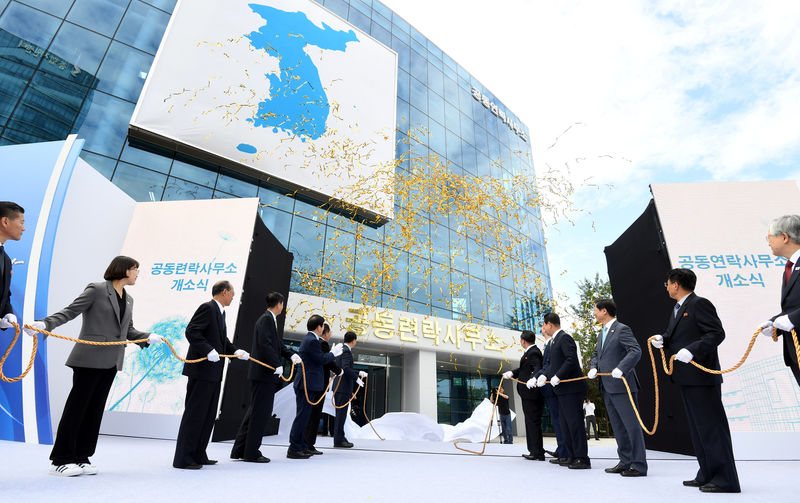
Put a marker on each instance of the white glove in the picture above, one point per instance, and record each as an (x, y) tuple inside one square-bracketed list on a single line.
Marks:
[(783, 323), (541, 380), (336, 350), (213, 356), (555, 380), (508, 374), (241, 354), (360, 382), (616, 373), (36, 324), (766, 328), (7, 320), (279, 371), (684, 355), (341, 373), (592, 373), (296, 359), (657, 341), (532, 383), (362, 374), (154, 339)]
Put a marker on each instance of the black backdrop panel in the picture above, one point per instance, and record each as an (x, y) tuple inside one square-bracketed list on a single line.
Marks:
[(638, 264), (269, 269)]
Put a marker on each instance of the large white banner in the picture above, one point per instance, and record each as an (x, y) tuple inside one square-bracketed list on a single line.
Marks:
[(284, 87), (719, 231), (183, 248)]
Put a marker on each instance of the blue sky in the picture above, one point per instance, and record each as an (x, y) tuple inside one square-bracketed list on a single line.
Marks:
[(647, 92)]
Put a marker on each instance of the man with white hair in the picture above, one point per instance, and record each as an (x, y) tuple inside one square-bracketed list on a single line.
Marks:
[(784, 241)]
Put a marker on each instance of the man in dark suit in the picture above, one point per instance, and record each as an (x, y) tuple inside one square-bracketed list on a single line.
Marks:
[(268, 348), (532, 400), (344, 385), (208, 336), (314, 360), (551, 400), (312, 429), (564, 364), (693, 334), (617, 352), (784, 240), (12, 225)]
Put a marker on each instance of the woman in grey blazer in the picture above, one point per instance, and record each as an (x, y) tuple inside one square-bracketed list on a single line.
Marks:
[(107, 311)]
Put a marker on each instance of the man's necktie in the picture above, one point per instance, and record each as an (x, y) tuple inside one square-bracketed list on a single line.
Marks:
[(787, 271), (603, 337), (675, 310), (2, 260)]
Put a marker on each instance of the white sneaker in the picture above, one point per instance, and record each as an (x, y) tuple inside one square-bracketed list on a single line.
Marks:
[(67, 470), (88, 468)]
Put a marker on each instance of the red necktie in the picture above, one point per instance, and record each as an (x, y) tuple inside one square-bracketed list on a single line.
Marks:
[(787, 272)]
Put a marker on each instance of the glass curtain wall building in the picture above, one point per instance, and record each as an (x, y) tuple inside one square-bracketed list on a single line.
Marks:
[(78, 66)]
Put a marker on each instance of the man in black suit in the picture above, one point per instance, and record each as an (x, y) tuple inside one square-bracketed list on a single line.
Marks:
[(693, 334), (12, 225), (312, 429), (344, 388), (784, 240), (564, 364), (551, 400), (208, 336), (313, 359), (532, 400), (268, 348), (617, 352)]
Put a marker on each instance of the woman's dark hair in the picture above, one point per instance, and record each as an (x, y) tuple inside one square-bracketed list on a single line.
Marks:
[(118, 268)]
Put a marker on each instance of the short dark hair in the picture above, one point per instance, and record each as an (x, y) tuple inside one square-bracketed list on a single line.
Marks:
[(553, 319), (220, 286), (608, 305), (350, 336), (325, 328), (10, 209), (118, 268), (683, 277), (274, 298), (528, 336), (315, 322)]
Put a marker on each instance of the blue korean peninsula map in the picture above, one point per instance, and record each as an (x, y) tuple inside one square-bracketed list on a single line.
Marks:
[(297, 103)]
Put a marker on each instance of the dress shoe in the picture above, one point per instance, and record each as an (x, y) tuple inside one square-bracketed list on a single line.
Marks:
[(580, 465), (556, 461), (260, 459), (209, 462), (632, 472), (313, 451), (692, 483), (565, 461), (617, 469), (237, 456), (345, 445), (532, 457), (297, 454), (714, 488), (550, 453), (193, 466)]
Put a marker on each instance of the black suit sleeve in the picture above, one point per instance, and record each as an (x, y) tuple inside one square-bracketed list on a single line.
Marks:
[(710, 327), (197, 327), (347, 365), (262, 342)]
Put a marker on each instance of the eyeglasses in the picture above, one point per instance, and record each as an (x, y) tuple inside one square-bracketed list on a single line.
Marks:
[(666, 284)]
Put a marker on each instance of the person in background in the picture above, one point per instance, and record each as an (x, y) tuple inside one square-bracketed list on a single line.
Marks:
[(504, 414), (12, 225), (591, 420)]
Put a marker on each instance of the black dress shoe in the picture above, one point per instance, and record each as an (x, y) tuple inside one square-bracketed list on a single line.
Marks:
[(565, 461), (556, 461), (209, 462), (617, 469), (692, 483), (580, 465), (297, 454), (313, 451), (237, 456), (550, 453), (345, 445), (260, 459), (714, 488), (632, 472), (193, 466)]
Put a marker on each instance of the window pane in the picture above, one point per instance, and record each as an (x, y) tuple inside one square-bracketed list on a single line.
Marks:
[(278, 222), (30, 25), (139, 183), (79, 47), (124, 71), (99, 15), (180, 190), (194, 173), (106, 123), (167, 5), (237, 185), (147, 156), (142, 27), (103, 165), (54, 7), (306, 245)]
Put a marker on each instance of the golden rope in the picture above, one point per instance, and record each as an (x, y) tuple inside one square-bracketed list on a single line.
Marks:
[(333, 395), (489, 429), (364, 409)]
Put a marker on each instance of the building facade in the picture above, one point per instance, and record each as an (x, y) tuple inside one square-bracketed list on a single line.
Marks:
[(79, 66)]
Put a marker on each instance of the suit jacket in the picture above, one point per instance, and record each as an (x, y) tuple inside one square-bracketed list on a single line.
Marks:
[(529, 365), (267, 347), (348, 379), (206, 331), (5, 286), (698, 329), (564, 364), (620, 350), (314, 359), (790, 305), (547, 390), (101, 323)]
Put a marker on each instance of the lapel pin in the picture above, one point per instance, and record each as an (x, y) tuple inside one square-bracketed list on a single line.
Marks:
[(686, 314)]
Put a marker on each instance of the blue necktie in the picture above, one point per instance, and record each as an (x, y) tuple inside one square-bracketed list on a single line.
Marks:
[(603, 337), (675, 310)]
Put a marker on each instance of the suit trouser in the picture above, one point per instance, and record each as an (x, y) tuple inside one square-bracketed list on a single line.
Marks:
[(533, 425), (711, 436), (341, 418), (788, 344), (251, 431), (627, 431), (297, 441), (76, 437), (312, 427), (570, 413), (591, 426), (197, 422), (552, 405)]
